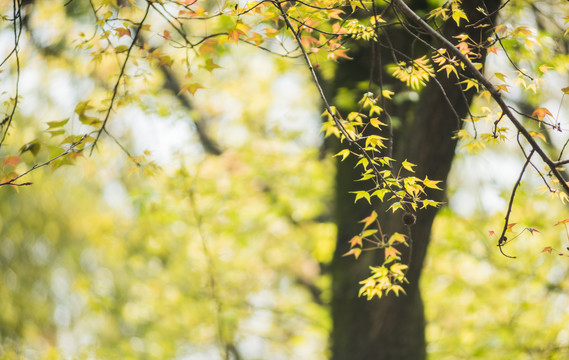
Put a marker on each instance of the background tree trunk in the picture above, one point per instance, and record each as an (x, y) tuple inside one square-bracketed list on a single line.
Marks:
[(394, 327)]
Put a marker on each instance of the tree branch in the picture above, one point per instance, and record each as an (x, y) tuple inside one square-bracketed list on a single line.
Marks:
[(172, 84), (121, 74), (477, 75), (37, 166), (502, 239)]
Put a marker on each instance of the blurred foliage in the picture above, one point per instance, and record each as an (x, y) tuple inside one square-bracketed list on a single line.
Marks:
[(203, 256), (480, 304), (98, 260)]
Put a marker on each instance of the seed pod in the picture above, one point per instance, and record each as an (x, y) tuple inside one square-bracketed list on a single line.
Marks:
[(409, 218)]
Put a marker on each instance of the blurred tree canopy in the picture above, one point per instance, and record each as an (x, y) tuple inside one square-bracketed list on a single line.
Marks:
[(167, 191)]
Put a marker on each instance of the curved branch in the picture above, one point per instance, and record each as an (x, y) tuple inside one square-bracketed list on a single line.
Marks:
[(121, 74), (477, 75), (502, 239), (71, 148)]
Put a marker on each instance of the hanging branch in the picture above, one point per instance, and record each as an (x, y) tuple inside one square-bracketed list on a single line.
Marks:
[(71, 148), (352, 142), (121, 74), (17, 14), (477, 75), (502, 239)]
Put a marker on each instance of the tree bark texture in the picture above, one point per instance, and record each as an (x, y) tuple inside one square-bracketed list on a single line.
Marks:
[(394, 327)]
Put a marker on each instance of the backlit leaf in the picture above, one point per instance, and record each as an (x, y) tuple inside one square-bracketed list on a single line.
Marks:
[(370, 219), (431, 183), (12, 160), (361, 195), (356, 240), (408, 166), (547, 249), (355, 251)]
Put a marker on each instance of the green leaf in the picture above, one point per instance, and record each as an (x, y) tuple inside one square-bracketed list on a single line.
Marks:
[(398, 269), (191, 88), (397, 238), (364, 162), (121, 48), (210, 65), (90, 120), (82, 107), (396, 206), (368, 233), (458, 14), (368, 175), (375, 110), (361, 195), (432, 203), (408, 166), (56, 132), (344, 153), (56, 124), (375, 122), (375, 141), (396, 289), (380, 193), (431, 183), (33, 147)]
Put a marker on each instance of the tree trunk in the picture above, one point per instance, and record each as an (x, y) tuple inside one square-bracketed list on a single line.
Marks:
[(394, 327)]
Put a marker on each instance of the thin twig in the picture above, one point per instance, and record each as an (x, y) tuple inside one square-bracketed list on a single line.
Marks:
[(502, 239), (477, 75), (37, 166), (17, 34), (121, 74), (352, 142), (211, 271)]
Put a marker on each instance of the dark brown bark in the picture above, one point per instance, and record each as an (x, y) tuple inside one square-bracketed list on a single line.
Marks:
[(394, 327)]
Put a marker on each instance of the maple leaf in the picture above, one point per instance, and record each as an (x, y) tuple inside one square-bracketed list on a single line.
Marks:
[(544, 68), (12, 160), (532, 230), (207, 46), (270, 32), (458, 14), (547, 249), (391, 252), (540, 113), (492, 49), (369, 220), (234, 35), (523, 31), (355, 251), (256, 38), (123, 32), (537, 134), (431, 183), (343, 153), (408, 166), (356, 240), (502, 87), (210, 65), (191, 88)]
